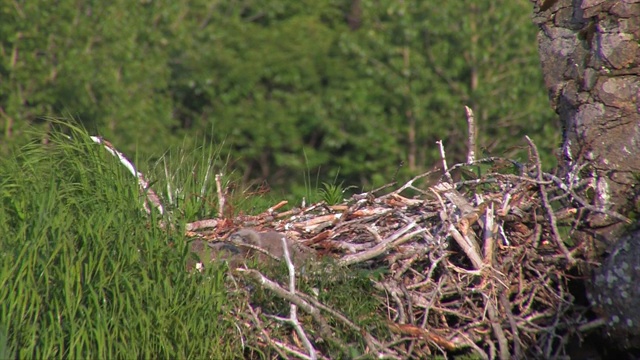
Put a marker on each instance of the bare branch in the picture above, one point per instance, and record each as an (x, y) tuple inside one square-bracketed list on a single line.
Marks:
[(547, 205), (293, 314), (221, 197), (445, 168), (142, 181), (471, 154)]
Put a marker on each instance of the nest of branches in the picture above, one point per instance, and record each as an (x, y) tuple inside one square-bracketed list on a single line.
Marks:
[(479, 266)]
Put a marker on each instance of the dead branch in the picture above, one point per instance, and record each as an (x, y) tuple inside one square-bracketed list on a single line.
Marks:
[(547, 205), (151, 195)]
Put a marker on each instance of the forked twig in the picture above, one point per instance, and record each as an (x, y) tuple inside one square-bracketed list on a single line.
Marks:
[(545, 203), (293, 309)]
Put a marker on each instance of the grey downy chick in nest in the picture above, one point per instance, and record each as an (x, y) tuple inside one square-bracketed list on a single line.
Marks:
[(204, 252), (271, 243)]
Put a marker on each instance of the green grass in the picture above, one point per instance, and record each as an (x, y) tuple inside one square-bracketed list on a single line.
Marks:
[(185, 178), (85, 273)]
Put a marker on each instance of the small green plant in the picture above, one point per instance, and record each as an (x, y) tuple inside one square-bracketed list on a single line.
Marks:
[(332, 194)]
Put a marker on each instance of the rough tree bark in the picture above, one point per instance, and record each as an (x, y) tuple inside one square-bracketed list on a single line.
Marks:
[(590, 55)]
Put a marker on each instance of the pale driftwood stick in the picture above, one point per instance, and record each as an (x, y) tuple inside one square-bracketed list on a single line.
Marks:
[(256, 248), (202, 224), (395, 239), (296, 211), (489, 238), (276, 206), (445, 168), (221, 197), (443, 214), (289, 350), (406, 201), (142, 181), (319, 221), (373, 232), (455, 198), (504, 210), (293, 312), (348, 246), (471, 123), (592, 325), (467, 246), (325, 329), (547, 206)]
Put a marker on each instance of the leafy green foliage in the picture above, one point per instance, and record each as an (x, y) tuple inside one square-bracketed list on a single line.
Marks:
[(85, 274), (355, 88), (332, 193)]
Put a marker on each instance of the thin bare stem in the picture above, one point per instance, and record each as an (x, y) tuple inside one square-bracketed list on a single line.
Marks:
[(471, 123), (293, 312), (547, 205), (221, 198), (443, 157)]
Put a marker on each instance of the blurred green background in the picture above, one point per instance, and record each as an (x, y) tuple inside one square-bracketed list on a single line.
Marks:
[(352, 91)]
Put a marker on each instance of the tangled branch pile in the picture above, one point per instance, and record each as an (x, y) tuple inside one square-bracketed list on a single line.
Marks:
[(476, 266)]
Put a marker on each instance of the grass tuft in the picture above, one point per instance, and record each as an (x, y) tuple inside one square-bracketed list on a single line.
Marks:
[(85, 273)]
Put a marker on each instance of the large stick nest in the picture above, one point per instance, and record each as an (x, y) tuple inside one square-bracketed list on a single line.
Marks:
[(478, 266)]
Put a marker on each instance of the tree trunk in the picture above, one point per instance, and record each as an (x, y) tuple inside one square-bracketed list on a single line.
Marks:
[(590, 55)]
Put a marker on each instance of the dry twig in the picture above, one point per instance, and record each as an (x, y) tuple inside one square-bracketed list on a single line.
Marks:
[(547, 205)]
